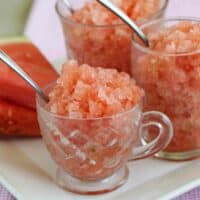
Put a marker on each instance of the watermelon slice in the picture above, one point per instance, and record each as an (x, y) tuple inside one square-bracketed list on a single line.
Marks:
[(13, 87), (17, 120), (17, 99)]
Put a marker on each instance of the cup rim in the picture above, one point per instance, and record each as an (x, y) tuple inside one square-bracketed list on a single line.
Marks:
[(158, 53), (67, 19), (40, 101)]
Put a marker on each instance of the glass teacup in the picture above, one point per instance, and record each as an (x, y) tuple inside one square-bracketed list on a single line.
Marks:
[(91, 154)]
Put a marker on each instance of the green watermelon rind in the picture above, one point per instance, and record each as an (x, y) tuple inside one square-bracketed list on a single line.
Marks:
[(16, 39)]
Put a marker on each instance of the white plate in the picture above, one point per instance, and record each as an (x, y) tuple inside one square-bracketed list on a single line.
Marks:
[(27, 170)]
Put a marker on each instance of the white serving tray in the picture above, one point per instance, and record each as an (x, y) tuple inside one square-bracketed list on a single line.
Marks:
[(28, 172)]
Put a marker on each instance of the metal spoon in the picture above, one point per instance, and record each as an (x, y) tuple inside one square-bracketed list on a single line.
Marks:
[(117, 11), (69, 6), (120, 14), (14, 66)]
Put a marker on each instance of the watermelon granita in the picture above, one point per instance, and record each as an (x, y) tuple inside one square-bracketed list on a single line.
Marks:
[(96, 36), (170, 74), (91, 121)]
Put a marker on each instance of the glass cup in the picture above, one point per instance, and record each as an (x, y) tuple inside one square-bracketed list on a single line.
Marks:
[(172, 85), (91, 154), (100, 45)]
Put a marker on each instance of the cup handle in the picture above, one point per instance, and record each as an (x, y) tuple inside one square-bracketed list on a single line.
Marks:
[(152, 146)]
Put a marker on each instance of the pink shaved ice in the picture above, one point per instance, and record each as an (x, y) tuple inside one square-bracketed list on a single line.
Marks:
[(81, 138), (99, 38), (86, 92), (94, 13), (172, 80)]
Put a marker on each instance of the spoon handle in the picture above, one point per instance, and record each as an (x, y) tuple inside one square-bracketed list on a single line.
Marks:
[(10, 63), (109, 5), (69, 6)]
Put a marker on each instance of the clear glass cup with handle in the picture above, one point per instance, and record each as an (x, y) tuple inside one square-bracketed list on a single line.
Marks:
[(91, 154)]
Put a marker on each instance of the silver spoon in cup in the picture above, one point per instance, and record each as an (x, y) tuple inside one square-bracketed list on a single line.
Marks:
[(15, 67), (118, 12), (69, 6)]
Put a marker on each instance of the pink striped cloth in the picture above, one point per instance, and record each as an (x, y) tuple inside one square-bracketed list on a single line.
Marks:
[(4, 194), (191, 195), (45, 31)]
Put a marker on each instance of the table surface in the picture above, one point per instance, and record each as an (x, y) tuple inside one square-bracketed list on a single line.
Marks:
[(45, 31)]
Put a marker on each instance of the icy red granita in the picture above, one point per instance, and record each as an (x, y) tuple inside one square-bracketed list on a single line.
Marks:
[(96, 36), (170, 74), (95, 122)]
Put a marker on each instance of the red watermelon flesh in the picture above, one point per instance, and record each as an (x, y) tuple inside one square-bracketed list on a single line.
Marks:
[(17, 120), (13, 87)]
